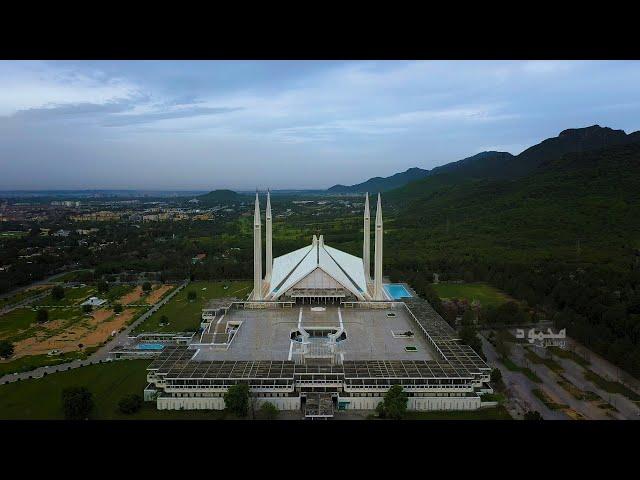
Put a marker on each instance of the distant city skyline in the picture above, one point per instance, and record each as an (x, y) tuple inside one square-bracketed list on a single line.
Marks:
[(202, 125)]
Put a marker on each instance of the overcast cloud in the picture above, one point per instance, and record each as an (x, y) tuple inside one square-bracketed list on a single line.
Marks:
[(241, 125)]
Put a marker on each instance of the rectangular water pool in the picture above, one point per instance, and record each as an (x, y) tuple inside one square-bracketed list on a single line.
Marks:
[(150, 346), (397, 291)]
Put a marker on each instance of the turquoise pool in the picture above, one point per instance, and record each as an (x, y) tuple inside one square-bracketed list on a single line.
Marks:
[(150, 346), (397, 291)]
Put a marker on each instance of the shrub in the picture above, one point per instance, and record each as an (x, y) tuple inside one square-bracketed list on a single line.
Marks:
[(57, 293), (130, 404), (6, 349), (117, 308), (269, 411), (42, 316), (236, 399), (395, 402), (77, 403)]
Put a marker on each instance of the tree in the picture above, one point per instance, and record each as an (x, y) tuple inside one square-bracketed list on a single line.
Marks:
[(164, 320), (42, 315), (469, 336), (146, 287), (533, 415), (87, 308), (268, 411), (103, 287), (130, 403), (191, 296), (6, 349), (117, 308), (469, 317), (496, 375), (236, 399), (395, 402), (57, 293), (77, 403), (502, 344)]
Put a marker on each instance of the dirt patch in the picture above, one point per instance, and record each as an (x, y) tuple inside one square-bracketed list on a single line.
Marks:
[(157, 294), (94, 331), (131, 297)]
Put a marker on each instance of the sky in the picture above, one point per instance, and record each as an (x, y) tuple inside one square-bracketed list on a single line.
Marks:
[(202, 125)]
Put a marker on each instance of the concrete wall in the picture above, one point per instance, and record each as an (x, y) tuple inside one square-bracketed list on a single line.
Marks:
[(417, 403), (217, 403)]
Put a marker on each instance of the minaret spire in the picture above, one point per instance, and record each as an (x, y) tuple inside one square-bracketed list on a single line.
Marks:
[(257, 253), (378, 294), (366, 245), (269, 253)]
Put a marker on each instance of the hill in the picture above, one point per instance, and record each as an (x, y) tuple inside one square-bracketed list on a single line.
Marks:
[(216, 197), (382, 184), (502, 165), (564, 239)]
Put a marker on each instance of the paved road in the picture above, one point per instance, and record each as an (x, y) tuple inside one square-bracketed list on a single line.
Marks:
[(587, 409), (100, 355), (519, 389)]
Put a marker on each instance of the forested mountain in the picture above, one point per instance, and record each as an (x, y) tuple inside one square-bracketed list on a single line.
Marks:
[(564, 238), (222, 196), (382, 184), (503, 165)]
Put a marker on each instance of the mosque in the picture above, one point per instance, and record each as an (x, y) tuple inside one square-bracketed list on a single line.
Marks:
[(319, 334)]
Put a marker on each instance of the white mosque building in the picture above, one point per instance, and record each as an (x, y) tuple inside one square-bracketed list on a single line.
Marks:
[(317, 272)]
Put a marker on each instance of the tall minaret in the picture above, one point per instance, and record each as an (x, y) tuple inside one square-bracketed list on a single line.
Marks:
[(378, 294), (366, 246), (269, 260), (257, 253)]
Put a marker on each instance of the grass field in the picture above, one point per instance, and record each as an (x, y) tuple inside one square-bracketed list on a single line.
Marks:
[(40, 399), (117, 291), (570, 355), (19, 323), (495, 413), (23, 295), (526, 371), (610, 386), (184, 315), (484, 293), (544, 398), (549, 362), (72, 296), (25, 364)]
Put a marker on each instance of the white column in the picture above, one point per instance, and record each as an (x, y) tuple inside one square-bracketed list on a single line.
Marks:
[(366, 245), (269, 252), (257, 253), (378, 294)]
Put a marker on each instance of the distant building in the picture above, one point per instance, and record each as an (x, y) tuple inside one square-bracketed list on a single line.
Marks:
[(94, 302), (198, 258)]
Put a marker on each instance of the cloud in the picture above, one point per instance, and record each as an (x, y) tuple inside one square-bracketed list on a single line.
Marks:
[(133, 119)]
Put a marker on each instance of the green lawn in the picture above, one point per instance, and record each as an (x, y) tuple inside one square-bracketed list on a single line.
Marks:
[(72, 296), (108, 382), (526, 371), (495, 413), (184, 315), (562, 353), (25, 364), (117, 291), (21, 322), (544, 398), (549, 362), (484, 293), (70, 276), (23, 295), (611, 386)]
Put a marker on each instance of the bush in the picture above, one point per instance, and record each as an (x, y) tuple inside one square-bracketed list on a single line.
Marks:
[(236, 399), (6, 349), (191, 296), (146, 287), (87, 308), (533, 415), (117, 308), (42, 316), (57, 293), (269, 411), (394, 404), (77, 403), (496, 375), (130, 404)]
